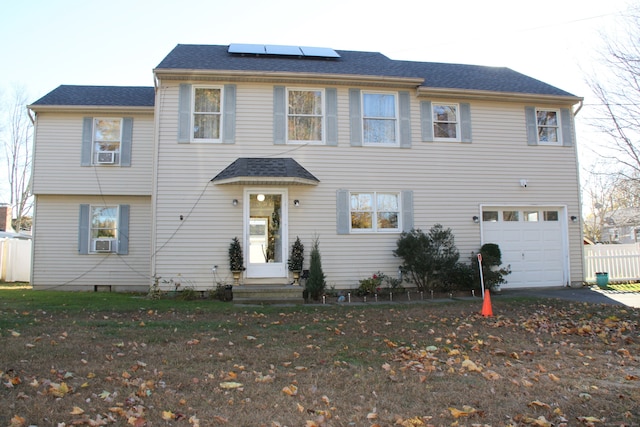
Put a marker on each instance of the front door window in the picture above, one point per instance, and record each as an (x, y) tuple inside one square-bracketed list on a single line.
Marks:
[(266, 234)]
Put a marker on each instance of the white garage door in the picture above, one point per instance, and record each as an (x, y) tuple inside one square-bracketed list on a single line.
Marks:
[(532, 243)]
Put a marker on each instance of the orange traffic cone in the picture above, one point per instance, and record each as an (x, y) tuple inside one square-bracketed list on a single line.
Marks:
[(487, 311)]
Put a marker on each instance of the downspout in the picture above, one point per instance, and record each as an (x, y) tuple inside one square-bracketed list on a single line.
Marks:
[(575, 113)]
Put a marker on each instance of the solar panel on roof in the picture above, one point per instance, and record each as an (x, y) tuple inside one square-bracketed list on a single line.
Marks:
[(273, 49), (282, 50), (254, 49), (323, 52)]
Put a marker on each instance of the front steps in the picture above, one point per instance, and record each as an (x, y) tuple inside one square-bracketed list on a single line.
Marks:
[(268, 294)]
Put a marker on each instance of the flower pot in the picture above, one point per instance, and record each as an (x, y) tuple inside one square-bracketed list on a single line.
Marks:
[(296, 277), (236, 277)]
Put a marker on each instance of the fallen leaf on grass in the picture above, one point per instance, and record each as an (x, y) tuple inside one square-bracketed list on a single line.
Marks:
[(465, 412), (77, 411), (471, 366), (230, 385), (589, 420), (491, 375), (58, 390), (17, 421), (290, 390), (554, 378), (541, 421), (168, 415), (539, 404)]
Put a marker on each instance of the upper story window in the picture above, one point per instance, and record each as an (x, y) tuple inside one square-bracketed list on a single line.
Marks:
[(305, 115), (548, 126), (107, 136), (375, 212), (379, 119), (446, 122), (207, 113)]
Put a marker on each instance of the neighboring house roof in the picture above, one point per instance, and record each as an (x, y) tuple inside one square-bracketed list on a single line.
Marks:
[(103, 96), (11, 235), (252, 170), (433, 74), (624, 217)]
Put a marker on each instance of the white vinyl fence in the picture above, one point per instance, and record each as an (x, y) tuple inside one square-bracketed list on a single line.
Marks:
[(622, 262), (15, 260)]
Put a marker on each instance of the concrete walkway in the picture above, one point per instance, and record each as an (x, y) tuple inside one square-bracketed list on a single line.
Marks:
[(592, 295)]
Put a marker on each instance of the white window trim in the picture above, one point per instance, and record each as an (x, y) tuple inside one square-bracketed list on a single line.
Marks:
[(396, 119), (457, 122), (94, 152), (374, 220), (192, 119), (114, 240), (323, 116), (558, 127)]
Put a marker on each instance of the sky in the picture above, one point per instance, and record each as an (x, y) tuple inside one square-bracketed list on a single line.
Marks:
[(46, 43)]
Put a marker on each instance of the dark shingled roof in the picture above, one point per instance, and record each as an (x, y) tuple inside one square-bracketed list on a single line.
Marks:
[(437, 75), (103, 96), (258, 169)]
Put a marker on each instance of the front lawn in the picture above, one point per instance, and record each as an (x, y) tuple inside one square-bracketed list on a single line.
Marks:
[(115, 359)]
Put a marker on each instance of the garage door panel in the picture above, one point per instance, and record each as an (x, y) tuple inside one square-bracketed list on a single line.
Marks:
[(533, 249)]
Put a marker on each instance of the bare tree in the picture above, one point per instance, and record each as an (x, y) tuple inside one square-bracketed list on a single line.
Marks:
[(617, 89), (17, 146)]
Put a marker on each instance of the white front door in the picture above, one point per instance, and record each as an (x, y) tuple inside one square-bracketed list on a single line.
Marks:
[(265, 219)]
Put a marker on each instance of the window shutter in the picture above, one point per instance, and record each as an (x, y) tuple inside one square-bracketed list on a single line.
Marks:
[(426, 119), (83, 230), (532, 125), (465, 122), (404, 106), (184, 114), (87, 139), (407, 210), (567, 127), (342, 212), (279, 115), (355, 117), (229, 111), (331, 114), (125, 144), (123, 230)]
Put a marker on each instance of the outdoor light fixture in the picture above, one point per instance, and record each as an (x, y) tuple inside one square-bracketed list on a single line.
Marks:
[(234, 202), (574, 218), (476, 219), (296, 203), (260, 197)]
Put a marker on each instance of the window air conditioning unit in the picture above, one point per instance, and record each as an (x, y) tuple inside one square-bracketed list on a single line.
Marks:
[(102, 245), (106, 157)]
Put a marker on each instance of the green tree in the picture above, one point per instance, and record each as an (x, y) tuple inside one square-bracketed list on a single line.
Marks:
[(315, 284)]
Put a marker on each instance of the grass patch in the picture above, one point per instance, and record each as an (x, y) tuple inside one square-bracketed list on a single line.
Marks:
[(624, 287), (118, 359)]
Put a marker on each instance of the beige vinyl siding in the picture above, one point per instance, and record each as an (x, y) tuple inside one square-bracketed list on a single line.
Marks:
[(57, 263), (449, 180), (58, 145)]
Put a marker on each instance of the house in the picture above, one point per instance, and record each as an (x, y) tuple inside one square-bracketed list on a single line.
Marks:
[(269, 143), (622, 226)]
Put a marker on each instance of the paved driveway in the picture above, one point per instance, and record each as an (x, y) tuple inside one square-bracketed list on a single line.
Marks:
[(586, 294)]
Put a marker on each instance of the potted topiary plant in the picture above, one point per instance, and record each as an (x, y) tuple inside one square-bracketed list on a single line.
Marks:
[(296, 260), (236, 260)]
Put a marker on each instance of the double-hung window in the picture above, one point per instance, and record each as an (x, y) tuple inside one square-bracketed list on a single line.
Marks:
[(305, 115), (107, 136), (103, 229), (446, 122), (379, 118), (548, 127), (207, 114), (375, 211)]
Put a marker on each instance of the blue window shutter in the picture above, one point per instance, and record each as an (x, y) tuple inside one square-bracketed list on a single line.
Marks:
[(87, 140), (125, 144), (83, 229), (567, 127), (331, 114), (407, 210), (426, 120), (355, 117), (343, 217), (229, 111), (532, 125), (184, 114), (123, 230), (404, 106), (465, 122), (279, 115)]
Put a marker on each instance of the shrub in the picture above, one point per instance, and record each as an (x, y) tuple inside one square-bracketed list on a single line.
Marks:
[(377, 282), (296, 259), (428, 258), (491, 271), (236, 258), (315, 284)]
